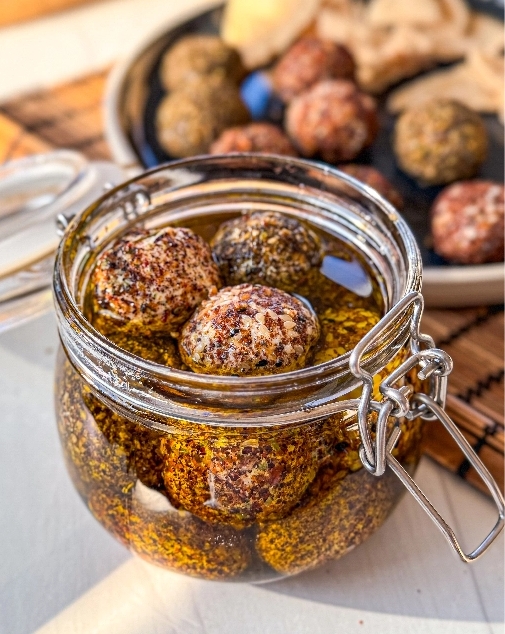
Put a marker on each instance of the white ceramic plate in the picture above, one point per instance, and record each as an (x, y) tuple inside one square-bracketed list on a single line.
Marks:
[(134, 91)]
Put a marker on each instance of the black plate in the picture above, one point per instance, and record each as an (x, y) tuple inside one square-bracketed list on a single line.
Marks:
[(144, 92)]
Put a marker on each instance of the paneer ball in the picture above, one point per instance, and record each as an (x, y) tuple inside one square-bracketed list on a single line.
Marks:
[(153, 279), (200, 55), (249, 330)]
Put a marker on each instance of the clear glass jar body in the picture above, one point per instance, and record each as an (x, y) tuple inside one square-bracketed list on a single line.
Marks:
[(225, 477)]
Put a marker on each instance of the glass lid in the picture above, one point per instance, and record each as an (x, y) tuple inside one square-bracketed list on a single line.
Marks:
[(34, 192)]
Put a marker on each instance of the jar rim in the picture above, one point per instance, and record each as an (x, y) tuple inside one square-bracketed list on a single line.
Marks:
[(73, 325)]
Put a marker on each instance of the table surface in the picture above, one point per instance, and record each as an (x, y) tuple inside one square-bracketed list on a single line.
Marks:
[(61, 573)]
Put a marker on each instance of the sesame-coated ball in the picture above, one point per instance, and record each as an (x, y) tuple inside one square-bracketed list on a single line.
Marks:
[(249, 330), (467, 222), (308, 61), (254, 137), (153, 279), (440, 142), (372, 177), (332, 119), (265, 248), (200, 55)]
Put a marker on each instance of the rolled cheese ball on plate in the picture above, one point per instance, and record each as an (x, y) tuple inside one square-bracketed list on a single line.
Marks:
[(254, 137), (440, 142), (249, 330), (467, 222), (152, 279), (308, 61)]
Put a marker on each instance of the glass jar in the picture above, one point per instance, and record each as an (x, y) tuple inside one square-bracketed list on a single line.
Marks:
[(225, 477)]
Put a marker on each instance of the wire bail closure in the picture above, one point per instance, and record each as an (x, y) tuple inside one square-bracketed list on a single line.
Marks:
[(401, 402)]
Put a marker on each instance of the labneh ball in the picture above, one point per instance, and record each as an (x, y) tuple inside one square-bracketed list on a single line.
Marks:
[(371, 176), (254, 137), (153, 279), (249, 330), (308, 61), (332, 119), (197, 55), (440, 142), (265, 248), (467, 222)]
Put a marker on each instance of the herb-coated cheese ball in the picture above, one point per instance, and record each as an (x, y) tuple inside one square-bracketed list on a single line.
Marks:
[(200, 55), (153, 279), (333, 119), (249, 330), (370, 176), (333, 517), (308, 61), (440, 142), (467, 222), (190, 118), (341, 507), (254, 137), (265, 248)]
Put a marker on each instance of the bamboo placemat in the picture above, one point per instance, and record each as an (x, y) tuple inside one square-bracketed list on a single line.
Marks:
[(70, 116)]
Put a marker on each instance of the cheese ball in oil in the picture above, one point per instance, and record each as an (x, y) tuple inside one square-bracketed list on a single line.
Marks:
[(152, 279), (249, 330), (239, 477), (265, 248)]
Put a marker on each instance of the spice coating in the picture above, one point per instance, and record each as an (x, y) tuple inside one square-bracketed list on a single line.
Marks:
[(467, 222), (265, 248), (200, 55), (254, 137), (332, 119), (249, 330), (308, 61), (440, 142), (370, 176), (153, 279)]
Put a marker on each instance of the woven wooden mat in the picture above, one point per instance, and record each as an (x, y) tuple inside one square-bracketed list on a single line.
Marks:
[(70, 116)]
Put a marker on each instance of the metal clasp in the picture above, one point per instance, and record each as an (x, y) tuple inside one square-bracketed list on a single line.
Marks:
[(434, 365)]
